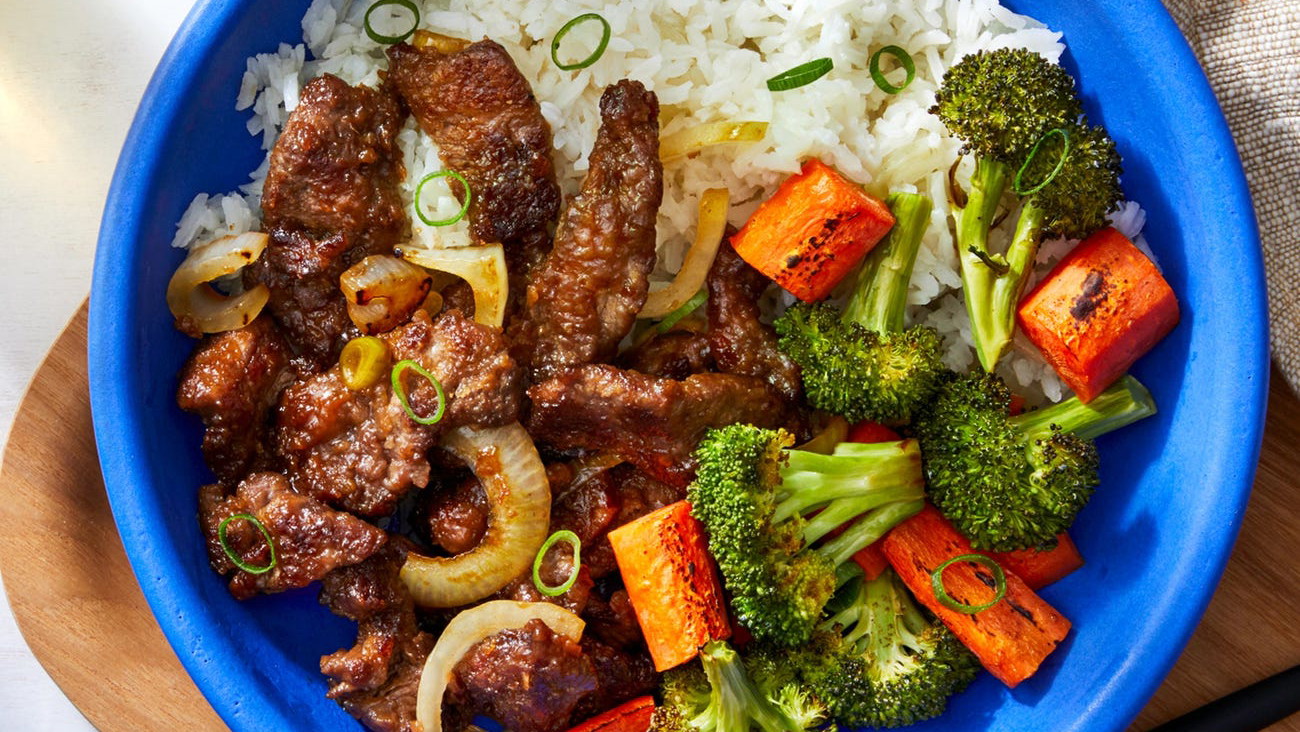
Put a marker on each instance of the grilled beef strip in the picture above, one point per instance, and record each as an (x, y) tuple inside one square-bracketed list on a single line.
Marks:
[(331, 198), (583, 299)]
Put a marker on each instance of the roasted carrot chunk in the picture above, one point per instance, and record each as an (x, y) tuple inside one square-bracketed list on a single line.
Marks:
[(671, 582), (872, 560), (1010, 638), (813, 231), (1040, 568), (868, 431), (633, 716), (1102, 307)]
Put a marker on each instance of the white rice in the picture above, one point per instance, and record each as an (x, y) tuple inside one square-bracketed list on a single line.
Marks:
[(707, 60)]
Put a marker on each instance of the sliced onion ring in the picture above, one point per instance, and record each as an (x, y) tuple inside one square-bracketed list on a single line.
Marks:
[(200, 309), (467, 629), (383, 291), (438, 42), (483, 267), (506, 462), (693, 139), (690, 278)]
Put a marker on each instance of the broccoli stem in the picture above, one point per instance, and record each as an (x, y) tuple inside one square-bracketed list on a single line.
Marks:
[(735, 705), (879, 298), (1008, 286), (978, 276), (1125, 402), (864, 475), (867, 530)]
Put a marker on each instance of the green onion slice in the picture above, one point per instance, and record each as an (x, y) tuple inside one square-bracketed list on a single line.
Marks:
[(573, 540), (1018, 187), (402, 366), (235, 558), (687, 308), (378, 37), (464, 205), (800, 75), (999, 580), (904, 60), (595, 55)]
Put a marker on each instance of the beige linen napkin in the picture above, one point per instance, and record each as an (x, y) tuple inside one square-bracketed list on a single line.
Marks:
[(1250, 49)]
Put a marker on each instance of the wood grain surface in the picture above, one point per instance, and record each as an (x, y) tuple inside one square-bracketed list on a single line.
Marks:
[(80, 609)]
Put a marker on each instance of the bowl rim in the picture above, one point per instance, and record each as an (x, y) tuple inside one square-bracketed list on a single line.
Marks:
[(113, 315)]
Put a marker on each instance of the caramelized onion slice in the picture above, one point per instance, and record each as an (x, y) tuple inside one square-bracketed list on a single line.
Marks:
[(690, 278), (483, 267), (438, 42), (506, 462), (693, 139), (197, 307), (383, 291), (467, 629)]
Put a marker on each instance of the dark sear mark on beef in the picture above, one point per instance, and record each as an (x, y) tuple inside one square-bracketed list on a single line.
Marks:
[(738, 341), (232, 381), (377, 679), (675, 355), (584, 297), (359, 450), (652, 422), (311, 539), (457, 515), (331, 198), (481, 112), (527, 679)]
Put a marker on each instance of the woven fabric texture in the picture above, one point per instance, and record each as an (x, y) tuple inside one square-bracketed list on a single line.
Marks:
[(1250, 50)]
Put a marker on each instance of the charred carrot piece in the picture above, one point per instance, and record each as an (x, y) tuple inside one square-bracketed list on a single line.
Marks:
[(671, 582), (813, 231), (1102, 307), (633, 716), (1040, 568), (1012, 637)]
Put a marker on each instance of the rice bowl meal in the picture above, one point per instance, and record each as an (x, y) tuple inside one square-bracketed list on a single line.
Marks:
[(691, 364)]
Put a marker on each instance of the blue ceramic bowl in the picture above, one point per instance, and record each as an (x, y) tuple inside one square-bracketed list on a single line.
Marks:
[(1156, 536)]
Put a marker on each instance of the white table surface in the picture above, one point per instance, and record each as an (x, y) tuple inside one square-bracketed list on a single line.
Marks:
[(71, 74)]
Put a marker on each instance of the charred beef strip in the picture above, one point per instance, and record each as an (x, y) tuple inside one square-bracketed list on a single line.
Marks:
[(584, 297), (675, 355), (527, 679), (232, 381), (311, 539), (650, 421), (377, 679), (738, 341), (481, 112), (359, 450), (331, 198)]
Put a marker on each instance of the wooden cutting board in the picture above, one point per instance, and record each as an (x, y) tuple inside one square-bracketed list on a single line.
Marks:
[(81, 611)]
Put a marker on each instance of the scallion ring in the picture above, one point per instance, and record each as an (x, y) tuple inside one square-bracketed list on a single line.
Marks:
[(235, 558), (464, 205), (402, 366), (941, 594), (687, 308), (595, 55), (1018, 187), (800, 75), (904, 60), (566, 536), (378, 37)]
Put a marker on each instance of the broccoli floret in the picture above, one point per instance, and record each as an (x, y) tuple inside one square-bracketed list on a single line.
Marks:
[(1003, 104), (725, 694), (863, 364), (1016, 482), (907, 665), (755, 498)]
